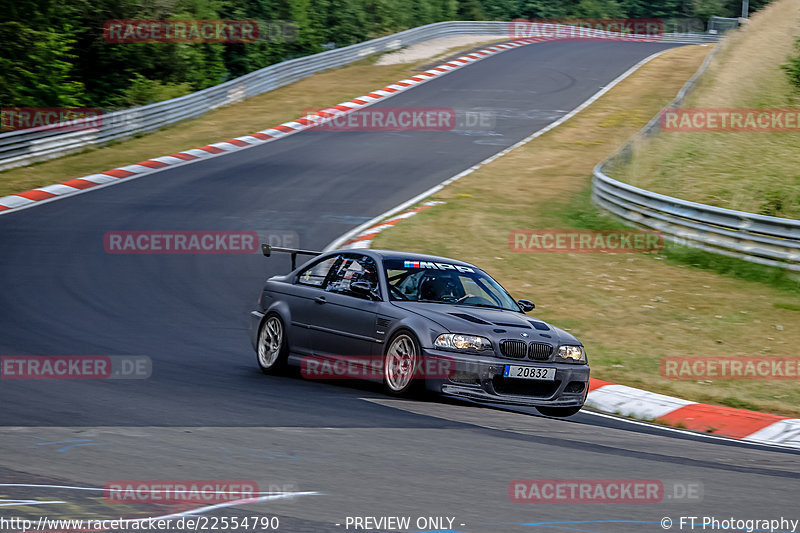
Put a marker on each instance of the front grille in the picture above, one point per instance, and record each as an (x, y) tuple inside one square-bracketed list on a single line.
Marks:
[(539, 351), (514, 349), (525, 387)]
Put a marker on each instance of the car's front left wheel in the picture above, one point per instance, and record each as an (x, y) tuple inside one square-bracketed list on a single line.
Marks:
[(272, 345), (402, 359)]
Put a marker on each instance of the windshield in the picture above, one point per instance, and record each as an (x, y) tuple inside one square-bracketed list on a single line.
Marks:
[(422, 281)]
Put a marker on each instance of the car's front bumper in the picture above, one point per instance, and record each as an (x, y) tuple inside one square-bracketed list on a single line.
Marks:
[(480, 378)]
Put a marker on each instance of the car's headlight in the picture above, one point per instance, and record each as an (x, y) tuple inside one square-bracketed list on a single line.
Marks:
[(457, 341), (572, 353)]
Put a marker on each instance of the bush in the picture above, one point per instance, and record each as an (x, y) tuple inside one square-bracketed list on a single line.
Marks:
[(143, 91), (792, 68)]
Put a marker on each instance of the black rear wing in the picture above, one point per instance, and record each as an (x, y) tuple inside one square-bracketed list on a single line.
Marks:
[(267, 250)]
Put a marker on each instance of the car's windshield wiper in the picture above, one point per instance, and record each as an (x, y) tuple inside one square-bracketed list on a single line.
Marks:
[(489, 306)]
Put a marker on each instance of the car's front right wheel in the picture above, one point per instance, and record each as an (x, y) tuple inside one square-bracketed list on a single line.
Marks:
[(272, 345), (402, 359)]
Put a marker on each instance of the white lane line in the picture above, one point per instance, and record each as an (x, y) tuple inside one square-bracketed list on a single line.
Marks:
[(399, 404), (25, 503), (344, 238), (266, 497), (688, 432), (246, 501), (70, 487)]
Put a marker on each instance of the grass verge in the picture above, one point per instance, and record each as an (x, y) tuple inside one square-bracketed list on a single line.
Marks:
[(630, 310), (581, 213)]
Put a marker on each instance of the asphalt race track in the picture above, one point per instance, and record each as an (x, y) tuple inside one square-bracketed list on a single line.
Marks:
[(208, 413)]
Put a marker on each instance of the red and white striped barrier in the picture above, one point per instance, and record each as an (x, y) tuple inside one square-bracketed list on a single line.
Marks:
[(713, 419)]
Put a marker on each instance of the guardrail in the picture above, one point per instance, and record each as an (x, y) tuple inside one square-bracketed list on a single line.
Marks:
[(18, 148), (756, 238)]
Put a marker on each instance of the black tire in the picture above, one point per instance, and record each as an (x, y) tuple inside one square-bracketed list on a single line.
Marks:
[(397, 364), (558, 412), (272, 348)]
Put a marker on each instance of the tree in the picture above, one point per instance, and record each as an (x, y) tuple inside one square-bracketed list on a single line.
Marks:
[(37, 68), (345, 23), (705, 9), (470, 10), (792, 68), (601, 9)]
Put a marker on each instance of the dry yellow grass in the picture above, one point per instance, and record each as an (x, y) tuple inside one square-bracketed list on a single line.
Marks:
[(754, 172), (744, 73), (629, 309), (258, 113)]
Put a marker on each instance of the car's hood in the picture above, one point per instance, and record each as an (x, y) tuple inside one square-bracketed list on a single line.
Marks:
[(491, 323)]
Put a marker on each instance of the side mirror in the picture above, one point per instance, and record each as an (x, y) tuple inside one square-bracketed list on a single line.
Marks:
[(526, 305), (363, 288)]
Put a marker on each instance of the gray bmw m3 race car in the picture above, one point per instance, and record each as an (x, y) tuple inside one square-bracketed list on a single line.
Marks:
[(412, 320)]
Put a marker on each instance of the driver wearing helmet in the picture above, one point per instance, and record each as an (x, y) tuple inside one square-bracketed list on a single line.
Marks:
[(440, 287)]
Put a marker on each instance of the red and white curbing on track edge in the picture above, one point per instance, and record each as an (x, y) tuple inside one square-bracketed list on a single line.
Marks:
[(750, 426), (74, 186)]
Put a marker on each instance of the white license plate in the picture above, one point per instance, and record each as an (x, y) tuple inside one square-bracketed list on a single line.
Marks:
[(529, 372)]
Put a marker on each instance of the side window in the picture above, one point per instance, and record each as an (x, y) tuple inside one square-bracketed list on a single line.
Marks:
[(407, 286), (316, 274), (350, 269)]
